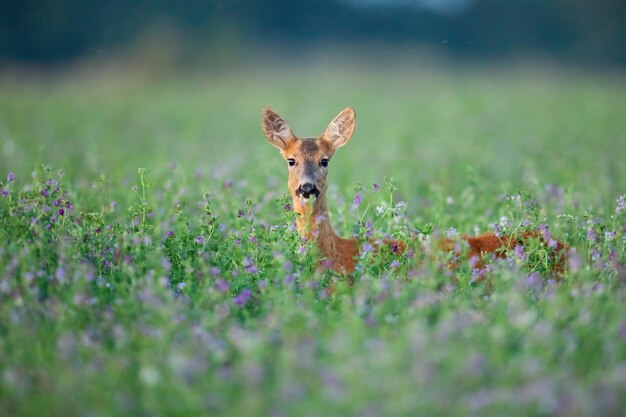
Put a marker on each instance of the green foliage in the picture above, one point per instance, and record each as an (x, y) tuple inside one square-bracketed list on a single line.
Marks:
[(171, 293)]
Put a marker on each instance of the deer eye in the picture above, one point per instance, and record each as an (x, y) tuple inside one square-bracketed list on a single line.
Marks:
[(291, 162), (324, 163)]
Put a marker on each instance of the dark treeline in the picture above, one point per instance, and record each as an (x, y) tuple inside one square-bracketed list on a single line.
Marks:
[(586, 32)]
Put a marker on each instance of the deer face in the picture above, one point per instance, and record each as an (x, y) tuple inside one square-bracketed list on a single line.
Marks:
[(308, 158)]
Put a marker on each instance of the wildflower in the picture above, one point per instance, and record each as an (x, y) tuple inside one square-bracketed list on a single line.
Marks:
[(609, 236), (252, 269), (45, 193), (519, 252), (400, 205), (544, 229), (242, 298), (394, 264), (288, 279), (451, 233), (380, 210), (59, 274), (496, 229), (170, 234), (240, 214), (4, 192), (376, 186), (320, 218), (621, 204), (113, 205), (357, 200), (369, 226), (367, 248), (228, 183), (533, 281), (10, 177), (449, 200), (574, 261), (61, 212), (504, 222), (221, 285), (252, 239), (200, 240), (552, 244), (287, 207), (214, 270), (287, 266)]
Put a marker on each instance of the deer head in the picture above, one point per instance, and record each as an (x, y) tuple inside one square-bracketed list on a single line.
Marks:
[(308, 158)]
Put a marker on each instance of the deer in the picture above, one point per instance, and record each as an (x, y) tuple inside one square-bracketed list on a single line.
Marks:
[(308, 159)]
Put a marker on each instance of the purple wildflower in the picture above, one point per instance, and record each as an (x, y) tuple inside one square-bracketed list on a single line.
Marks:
[(113, 205), (252, 239), (287, 207), (376, 186), (170, 234), (221, 285), (609, 236), (240, 214), (621, 205), (4, 192), (357, 200), (369, 226), (545, 231), (327, 263), (367, 248), (10, 177), (252, 269), (496, 229), (61, 212), (59, 274), (519, 252), (287, 266), (200, 240), (228, 183), (533, 281), (394, 265), (215, 270), (288, 279), (574, 261), (44, 193), (451, 233), (242, 298)]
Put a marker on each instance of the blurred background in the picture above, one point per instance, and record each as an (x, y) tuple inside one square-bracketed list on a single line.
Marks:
[(522, 91), (47, 32)]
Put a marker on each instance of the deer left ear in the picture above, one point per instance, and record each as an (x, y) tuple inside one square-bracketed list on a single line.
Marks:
[(276, 129), (340, 130)]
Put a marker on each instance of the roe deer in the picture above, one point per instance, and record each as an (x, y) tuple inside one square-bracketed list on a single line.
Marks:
[(308, 159)]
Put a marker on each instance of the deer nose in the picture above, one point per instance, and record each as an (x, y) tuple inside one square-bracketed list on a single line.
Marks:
[(307, 187)]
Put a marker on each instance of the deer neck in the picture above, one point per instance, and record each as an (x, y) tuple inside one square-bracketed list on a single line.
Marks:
[(313, 223)]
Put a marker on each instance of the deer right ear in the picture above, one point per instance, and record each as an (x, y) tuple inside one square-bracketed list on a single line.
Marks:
[(276, 129)]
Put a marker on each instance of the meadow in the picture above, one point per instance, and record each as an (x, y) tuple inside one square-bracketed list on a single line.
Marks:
[(149, 263)]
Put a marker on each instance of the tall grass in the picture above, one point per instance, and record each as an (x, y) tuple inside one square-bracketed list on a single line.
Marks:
[(149, 264)]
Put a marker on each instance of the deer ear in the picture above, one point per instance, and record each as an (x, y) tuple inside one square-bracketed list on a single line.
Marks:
[(340, 130), (276, 129)]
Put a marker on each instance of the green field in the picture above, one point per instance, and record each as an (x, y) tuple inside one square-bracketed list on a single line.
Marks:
[(148, 266)]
